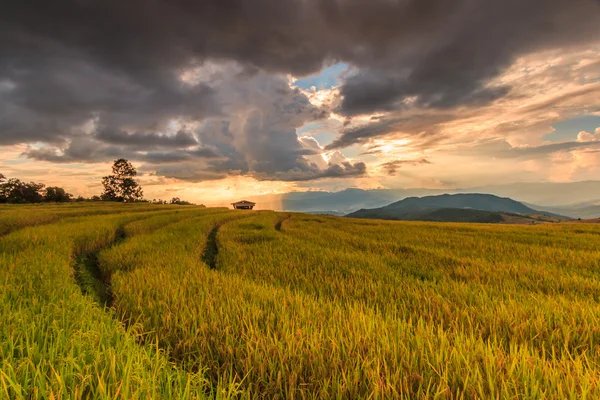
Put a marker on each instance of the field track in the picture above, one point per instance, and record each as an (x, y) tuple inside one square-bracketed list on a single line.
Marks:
[(109, 301)]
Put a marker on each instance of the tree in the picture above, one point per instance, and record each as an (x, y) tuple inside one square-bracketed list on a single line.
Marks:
[(177, 200), (15, 191), (2, 195), (120, 186), (57, 194)]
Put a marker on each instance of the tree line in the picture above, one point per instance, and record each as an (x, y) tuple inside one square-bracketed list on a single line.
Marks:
[(120, 186), (14, 190)]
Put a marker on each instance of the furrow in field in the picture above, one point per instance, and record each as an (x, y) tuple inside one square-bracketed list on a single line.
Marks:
[(56, 342), (211, 250), (289, 320), (319, 307), (89, 279), (89, 275), (281, 220), (135, 252), (136, 262)]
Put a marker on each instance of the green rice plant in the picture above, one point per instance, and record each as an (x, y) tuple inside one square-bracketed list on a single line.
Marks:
[(220, 303), (56, 342), (289, 318)]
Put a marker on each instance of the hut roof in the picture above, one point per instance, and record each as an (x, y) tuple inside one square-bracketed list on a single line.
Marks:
[(244, 202)]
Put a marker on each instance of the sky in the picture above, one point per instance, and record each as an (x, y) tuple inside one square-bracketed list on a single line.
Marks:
[(218, 100)]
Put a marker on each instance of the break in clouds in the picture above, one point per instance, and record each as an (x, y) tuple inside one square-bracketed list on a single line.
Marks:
[(200, 90)]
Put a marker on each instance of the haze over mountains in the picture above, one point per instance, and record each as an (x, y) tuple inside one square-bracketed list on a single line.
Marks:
[(577, 199)]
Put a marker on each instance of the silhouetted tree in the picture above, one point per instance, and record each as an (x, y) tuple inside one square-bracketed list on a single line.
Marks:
[(178, 201), (120, 186), (15, 191), (57, 195)]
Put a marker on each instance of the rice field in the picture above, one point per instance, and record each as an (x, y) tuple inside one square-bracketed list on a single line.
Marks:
[(139, 301)]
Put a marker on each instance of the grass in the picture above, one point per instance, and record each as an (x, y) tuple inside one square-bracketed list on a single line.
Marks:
[(176, 302)]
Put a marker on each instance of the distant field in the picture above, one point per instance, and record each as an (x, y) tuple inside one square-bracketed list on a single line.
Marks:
[(109, 301)]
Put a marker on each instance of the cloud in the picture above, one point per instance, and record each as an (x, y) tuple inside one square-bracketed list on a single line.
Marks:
[(448, 53), (423, 124), (87, 149), (548, 87), (311, 144), (336, 157), (255, 135), (502, 149), (312, 172), (113, 56), (199, 90), (391, 167), (378, 90), (188, 172), (179, 139), (584, 136), (56, 95)]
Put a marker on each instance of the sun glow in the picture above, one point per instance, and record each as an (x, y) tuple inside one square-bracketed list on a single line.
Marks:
[(391, 146)]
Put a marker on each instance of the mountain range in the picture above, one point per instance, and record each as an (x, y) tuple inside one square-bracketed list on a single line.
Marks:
[(472, 207), (576, 199)]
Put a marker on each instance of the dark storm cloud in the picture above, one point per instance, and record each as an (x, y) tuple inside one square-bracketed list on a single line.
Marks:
[(309, 172), (80, 149), (376, 90), (180, 139), (118, 63), (189, 172), (256, 136), (352, 136), (452, 60), (438, 50), (302, 172), (86, 149), (456, 52)]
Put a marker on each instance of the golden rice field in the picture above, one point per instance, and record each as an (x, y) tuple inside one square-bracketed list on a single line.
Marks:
[(139, 301)]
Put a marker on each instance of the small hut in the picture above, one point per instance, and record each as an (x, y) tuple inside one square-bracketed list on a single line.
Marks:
[(243, 205)]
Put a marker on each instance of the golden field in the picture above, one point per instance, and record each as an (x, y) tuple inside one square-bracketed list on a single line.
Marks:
[(110, 301)]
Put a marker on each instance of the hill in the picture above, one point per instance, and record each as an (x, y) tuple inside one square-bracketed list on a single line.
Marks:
[(473, 207)]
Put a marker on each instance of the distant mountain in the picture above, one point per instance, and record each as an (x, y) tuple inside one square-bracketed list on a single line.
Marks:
[(478, 201), (583, 211), (548, 195), (341, 202), (545, 193), (472, 207)]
